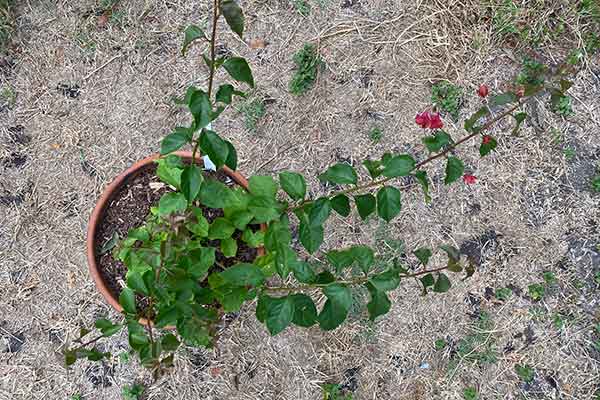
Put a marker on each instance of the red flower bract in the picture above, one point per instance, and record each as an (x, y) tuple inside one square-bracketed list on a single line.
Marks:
[(483, 91), (423, 119), (487, 139), (436, 121), (469, 179)]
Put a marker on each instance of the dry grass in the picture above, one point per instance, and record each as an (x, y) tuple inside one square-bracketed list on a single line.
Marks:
[(381, 57)]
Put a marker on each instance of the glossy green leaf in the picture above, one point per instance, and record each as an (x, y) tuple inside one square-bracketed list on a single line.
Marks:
[(232, 159), (373, 167), (487, 147), (215, 194), (276, 313), (221, 228), (421, 177), (170, 169), (202, 260), (442, 284), (436, 142), (305, 312), (335, 310), (192, 33), (264, 209), (229, 247), (454, 170), (470, 122), (233, 16), (388, 203), (293, 184), (423, 254), (364, 256), (401, 165), (243, 274), (127, 301), (262, 186), (225, 94), (191, 180), (169, 342), (311, 236), (319, 211), (427, 281), (171, 202), (201, 108), (503, 99), (324, 278), (340, 173), (379, 305), (341, 204), (303, 271), (136, 282), (386, 281), (238, 69), (176, 140), (106, 327), (365, 204), (253, 239), (214, 147), (340, 259)]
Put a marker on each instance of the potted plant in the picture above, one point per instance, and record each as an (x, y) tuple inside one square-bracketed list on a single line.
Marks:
[(204, 242)]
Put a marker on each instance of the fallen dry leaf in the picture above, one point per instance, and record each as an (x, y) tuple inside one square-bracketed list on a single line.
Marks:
[(258, 43)]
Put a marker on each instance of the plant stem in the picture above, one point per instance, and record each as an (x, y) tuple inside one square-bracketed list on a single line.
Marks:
[(94, 340), (213, 39), (356, 281), (448, 149)]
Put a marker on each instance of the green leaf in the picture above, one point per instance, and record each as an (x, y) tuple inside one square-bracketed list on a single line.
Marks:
[(401, 165), (215, 194), (201, 108), (341, 204), (231, 298), (520, 118), (169, 342), (166, 317), (200, 226), (486, 148), (324, 278), (423, 254), (136, 282), (253, 239), (127, 300), (436, 142), (452, 251), (192, 33), (340, 173), (311, 236), (502, 99), (278, 235), (240, 219), (239, 70), (454, 170), (214, 147), (231, 160), (340, 259), (365, 204), (386, 281), (319, 211), (106, 327), (364, 256), (373, 167), (277, 313), (442, 284), (225, 94), (201, 261), (421, 177), (305, 312), (191, 180), (470, 123), (303, 271), (175, 140), (379, 305), (388, 203), (243, 274), (171, 202), (265, 209), (221, 228), (170, 169), (109, 244), (262, 186), (427, 281), (285, 258), (229, 247), (233, 16), (293, 184), (335, 310)]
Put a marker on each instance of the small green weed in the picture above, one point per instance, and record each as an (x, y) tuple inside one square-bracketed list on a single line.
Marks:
[(124, 357), (563, 106), (536, 291), (569, 153), (307, 62), (503, 294), (525, 372), (549, 277), (447, 97), (133, 392), (440, 344), (334, 392), (375, 134), (9, 96), (505, 18), (532, 73), (76, 397), (479, 346), (253, 111), (597, 278), (470, 393), (6, 24), (302, 7), (590, 8), (559, 321)]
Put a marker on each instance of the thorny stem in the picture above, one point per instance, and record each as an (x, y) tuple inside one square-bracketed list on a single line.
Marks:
[(356, 281), (94, 340), (448, 149)]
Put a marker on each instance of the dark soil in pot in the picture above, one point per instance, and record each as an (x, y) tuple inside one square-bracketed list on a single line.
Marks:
[(129, 208)]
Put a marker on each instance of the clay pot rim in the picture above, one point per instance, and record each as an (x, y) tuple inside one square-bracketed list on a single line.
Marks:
[(103, 203)]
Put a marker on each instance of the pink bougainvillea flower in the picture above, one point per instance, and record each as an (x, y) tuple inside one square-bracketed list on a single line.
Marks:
[(486, 139), (483, 91), (469, 179), (520, 92), (423, 119), (436, 121)]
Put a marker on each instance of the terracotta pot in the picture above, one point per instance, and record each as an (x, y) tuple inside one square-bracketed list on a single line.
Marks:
[(105, 200)]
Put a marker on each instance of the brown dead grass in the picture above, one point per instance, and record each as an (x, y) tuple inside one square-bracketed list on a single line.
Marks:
[(381, 58)]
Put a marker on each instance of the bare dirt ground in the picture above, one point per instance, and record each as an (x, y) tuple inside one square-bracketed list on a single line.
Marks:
[(92, 96)]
